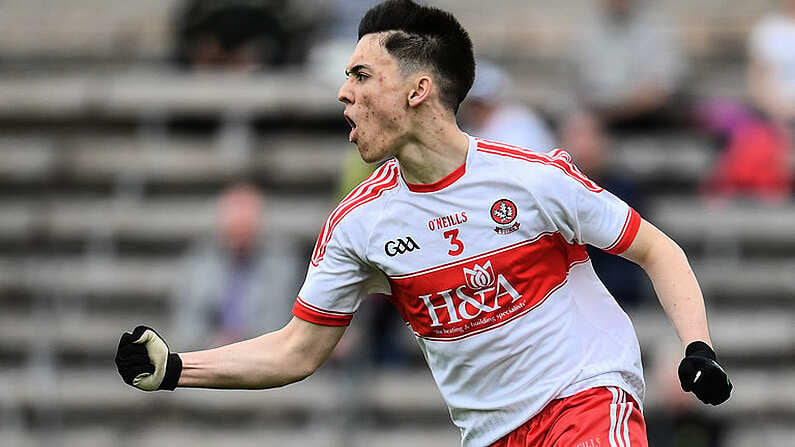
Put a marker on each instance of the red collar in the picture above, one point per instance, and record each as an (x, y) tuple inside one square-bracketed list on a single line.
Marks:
[(444, 182)]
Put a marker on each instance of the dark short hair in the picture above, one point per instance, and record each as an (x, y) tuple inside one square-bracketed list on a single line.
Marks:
[(426, 37)]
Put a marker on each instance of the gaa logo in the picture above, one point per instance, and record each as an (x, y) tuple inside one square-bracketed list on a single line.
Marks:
[(400, 246), (504, 213), (479, 277)]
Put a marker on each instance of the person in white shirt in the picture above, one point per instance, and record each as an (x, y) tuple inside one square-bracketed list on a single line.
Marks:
[(490, 112), (772, 67), (481, 246)]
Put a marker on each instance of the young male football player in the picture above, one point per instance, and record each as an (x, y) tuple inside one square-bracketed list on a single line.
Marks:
[(482, 247)]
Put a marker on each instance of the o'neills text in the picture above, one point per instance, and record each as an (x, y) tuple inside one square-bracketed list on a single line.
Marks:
[(447, 221)]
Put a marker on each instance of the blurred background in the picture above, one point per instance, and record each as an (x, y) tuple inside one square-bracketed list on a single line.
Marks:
[(171, 162)]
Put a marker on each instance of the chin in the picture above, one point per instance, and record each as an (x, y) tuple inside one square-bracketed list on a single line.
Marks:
[(370, 160), (368, 156)]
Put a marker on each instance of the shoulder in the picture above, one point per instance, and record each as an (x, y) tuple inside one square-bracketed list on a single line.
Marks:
[(357, 212), (516, 159), (534, 167), (496, 150)]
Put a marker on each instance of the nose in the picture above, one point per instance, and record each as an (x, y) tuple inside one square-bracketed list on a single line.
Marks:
[(344, 95)]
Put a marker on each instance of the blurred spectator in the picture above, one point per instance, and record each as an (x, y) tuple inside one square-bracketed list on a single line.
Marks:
[(489, 112), (755, 159), (628, 65), (239, 284), (756, 140), (772, 68), (242, 35), (582, 135)]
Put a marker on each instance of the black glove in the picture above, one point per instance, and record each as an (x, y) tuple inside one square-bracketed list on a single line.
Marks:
[(701, 374), (144, 361)]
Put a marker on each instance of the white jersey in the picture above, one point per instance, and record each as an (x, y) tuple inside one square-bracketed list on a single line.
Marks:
[(488, 267)]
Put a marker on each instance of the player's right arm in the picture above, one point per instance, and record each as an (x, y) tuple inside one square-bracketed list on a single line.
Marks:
[(338, 276), (271, 360)]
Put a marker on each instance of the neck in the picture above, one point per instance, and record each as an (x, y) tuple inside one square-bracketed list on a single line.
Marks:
[(434, 151)]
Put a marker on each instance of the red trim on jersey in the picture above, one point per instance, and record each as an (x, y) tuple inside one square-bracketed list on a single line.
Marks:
[(464, 298), (383, 179), (628, 233), (446, 181), (314, 314), (559, 159)]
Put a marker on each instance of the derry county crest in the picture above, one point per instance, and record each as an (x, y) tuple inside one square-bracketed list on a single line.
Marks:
[(503, 212)]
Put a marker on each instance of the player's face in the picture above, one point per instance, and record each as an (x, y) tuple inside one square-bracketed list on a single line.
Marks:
[(375, 94)]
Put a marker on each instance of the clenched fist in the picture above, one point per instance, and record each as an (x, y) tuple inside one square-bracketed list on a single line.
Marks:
[(144, 361), (700, 373)]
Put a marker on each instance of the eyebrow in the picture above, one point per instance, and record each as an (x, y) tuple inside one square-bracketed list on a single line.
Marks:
[(357, 68)]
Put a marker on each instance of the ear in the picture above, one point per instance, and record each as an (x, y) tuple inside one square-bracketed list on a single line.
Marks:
[(421, 90)]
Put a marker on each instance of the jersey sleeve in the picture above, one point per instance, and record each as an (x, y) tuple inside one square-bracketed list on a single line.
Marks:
[(583, 211), (334, 284)]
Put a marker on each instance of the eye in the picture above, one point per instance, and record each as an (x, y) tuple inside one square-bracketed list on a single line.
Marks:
[(357, 75)]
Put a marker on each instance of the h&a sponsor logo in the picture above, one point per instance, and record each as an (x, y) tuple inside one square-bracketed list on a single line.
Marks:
[(484, 292), (479, 277), (503, 212), (400, 246)]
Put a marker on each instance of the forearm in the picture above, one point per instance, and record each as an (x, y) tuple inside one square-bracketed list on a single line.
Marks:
[(674, 282), (259, 363), (679, 293), (271, 360)]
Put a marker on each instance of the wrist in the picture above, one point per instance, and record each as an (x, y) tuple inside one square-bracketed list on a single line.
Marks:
[(173, 371), (701, 349)]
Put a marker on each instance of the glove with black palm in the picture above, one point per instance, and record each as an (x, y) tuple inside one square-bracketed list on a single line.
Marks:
[(144, 361), (701, 374)]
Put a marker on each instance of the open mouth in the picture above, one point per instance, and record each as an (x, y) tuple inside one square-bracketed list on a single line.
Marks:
[(351, 123)]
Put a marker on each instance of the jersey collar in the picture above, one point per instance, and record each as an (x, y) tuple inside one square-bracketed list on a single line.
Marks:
[(445, 181)]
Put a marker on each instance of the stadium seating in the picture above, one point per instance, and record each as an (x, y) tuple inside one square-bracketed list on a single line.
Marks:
[(101, 193)]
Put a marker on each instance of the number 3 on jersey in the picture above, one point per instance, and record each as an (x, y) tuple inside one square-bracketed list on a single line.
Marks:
[(455, 242)]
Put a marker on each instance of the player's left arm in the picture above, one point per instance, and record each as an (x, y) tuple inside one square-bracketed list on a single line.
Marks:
[(674, 281), (680, 295)]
